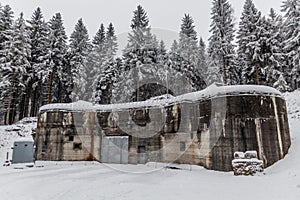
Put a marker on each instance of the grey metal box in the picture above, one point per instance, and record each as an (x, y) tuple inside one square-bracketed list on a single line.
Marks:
[(23, 152)]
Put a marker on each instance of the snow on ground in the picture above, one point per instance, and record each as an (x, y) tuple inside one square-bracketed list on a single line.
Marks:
[(91, 180)]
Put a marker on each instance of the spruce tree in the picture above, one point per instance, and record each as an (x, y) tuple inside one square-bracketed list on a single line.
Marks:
[(291, 9), (58, 75), (96, 61), (174, 50), (99, 38), (188, 42), (184, 59), (40, 61), (6, 22), (263, 51), (79, 50), (98, 52), (22, 58), (14, 67), (106, 81), (281, 84), (162, 48), (162, 54), (140, 58), (274, 56), (141, 43), (221, 47), (202, 58), (108, 66), (111, 45), (266, 50), (248, 44)]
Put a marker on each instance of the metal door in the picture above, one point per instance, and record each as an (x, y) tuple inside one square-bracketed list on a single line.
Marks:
[(114, 149)]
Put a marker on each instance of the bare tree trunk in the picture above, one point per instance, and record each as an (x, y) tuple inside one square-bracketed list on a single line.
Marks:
[(9, 118), (33, 103), (8, 109), (22, 107), (224, 70), (50, 88), (27, 99), (256, 74)]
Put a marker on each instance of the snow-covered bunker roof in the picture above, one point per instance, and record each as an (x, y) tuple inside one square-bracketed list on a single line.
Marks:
[(209, 92)]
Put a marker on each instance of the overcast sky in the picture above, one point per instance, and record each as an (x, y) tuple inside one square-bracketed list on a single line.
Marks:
[(165, 15)]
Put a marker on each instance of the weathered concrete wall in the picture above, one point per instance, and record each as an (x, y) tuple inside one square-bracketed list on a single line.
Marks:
[(206, 132), (63, 135), (251, 123)]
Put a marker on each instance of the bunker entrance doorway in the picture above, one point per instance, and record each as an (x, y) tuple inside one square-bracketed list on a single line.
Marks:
[(142, 156), (114, 149)]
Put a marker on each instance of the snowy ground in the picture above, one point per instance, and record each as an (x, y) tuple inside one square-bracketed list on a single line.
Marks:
[(86, 180)]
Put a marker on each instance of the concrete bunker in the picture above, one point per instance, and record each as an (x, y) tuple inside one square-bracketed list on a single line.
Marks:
[(203, 128)]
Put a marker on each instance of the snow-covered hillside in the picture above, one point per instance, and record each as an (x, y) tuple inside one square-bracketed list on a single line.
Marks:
[(86, 180), (293, 104), (8, 134)]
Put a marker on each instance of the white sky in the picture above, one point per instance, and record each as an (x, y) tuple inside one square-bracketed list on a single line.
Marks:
[(165, 15)]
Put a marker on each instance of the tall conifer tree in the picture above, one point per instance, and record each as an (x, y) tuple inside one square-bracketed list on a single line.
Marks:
[(188, 42), (79, 50), (6, 23), (221, 47), (58, 76), (40, 61), (97, 58), (291, 9), (248, 43), (14, 67), (140, 57)]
